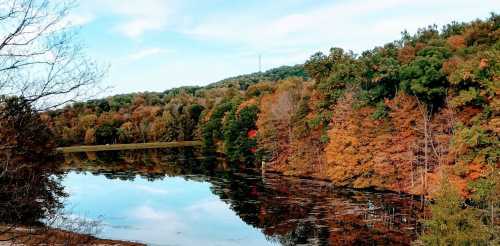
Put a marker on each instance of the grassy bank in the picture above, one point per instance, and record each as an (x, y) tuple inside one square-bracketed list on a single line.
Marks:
[(111, 147)]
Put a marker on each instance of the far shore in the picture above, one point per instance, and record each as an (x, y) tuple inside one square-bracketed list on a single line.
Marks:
[(111, 147)]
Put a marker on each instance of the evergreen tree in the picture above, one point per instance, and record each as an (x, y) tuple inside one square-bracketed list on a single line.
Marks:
[(453, 222)]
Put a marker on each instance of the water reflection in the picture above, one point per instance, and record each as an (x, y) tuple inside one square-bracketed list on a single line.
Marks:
[(293, 211), (171, 201)]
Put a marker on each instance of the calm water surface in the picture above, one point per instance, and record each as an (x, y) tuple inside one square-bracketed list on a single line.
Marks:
[(165, 205), (173, 211)]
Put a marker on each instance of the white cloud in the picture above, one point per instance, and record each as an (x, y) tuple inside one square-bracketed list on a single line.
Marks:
[(78, 19), (157, 226), (210, 208), (142, 16), (141, 54), (152, 190), (134, 18), (146, 213), (354, 25)]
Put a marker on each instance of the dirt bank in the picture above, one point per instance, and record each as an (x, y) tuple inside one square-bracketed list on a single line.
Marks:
[(43, 236)]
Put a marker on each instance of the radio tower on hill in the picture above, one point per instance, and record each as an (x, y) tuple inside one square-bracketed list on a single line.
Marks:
[(260, 63)]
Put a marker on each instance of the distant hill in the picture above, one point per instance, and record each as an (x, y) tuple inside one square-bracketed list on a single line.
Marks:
[(275, 74), (241, 81)]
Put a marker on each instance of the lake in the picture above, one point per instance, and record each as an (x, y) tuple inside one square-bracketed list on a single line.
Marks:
[(168, 203)]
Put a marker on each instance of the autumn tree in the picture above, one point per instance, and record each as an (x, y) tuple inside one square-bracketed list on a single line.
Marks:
[(28, 191), (88, 121), (126, 132), (238, 146), (90, 137)]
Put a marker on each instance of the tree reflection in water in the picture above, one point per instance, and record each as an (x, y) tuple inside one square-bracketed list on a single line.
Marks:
[(288, 210)]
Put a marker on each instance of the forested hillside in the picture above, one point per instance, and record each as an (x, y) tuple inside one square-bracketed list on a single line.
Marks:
[(405, 117), (275, 74)]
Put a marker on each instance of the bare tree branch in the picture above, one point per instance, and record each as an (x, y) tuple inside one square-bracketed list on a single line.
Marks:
[(40, 58)]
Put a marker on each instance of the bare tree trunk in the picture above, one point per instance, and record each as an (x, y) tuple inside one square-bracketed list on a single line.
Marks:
[(492, 213), (426, 150), (422, 176), (412, 161), (426, 121)]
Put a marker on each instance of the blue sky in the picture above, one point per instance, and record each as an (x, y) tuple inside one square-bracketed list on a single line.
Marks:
[(154, 45)]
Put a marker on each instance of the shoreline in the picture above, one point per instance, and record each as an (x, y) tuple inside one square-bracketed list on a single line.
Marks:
[(24, 235)]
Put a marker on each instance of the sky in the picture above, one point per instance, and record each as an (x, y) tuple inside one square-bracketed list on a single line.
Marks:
[(155, 45)]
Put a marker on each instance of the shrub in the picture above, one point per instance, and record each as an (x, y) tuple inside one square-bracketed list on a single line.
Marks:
[(28, 191), (452, 223), (381, 112)]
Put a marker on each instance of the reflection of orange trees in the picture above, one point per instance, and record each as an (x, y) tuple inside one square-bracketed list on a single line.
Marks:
[(290, 209), (293, 211), (141, 161), (91, 156)]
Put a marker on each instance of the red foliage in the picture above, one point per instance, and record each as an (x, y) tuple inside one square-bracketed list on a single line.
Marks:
[(252, 133)]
